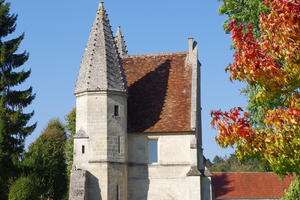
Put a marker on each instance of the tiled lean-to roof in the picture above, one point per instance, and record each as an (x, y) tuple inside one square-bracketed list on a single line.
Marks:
[(249, 185), (159, 92), (159, 85)]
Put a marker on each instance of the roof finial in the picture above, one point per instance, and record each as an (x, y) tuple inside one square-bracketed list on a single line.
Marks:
[(119, 30), (101, 7), (120, 42)]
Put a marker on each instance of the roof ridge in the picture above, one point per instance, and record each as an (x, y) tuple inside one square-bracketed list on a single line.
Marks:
[(155, 54), (243, 173)]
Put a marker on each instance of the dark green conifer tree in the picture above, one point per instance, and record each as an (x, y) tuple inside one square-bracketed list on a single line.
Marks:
[(13, 120)]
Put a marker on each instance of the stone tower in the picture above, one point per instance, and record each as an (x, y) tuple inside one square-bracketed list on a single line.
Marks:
[(100, 144)]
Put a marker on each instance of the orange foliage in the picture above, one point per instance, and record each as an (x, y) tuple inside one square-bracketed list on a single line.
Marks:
[(273, 62)]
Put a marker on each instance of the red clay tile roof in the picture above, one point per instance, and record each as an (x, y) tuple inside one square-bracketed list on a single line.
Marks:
[(249, 185), (159, 92)]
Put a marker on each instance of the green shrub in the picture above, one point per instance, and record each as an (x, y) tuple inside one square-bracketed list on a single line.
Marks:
[(45, 161), (23, 189), (294, 191)]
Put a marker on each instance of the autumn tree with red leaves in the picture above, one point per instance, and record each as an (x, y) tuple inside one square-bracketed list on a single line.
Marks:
[(269, 61)]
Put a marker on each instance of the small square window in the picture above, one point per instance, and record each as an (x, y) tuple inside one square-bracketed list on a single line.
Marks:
[(152, 151), (82, 149), (116, 110)]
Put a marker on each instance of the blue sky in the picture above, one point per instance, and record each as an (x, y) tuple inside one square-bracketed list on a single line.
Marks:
[(56, 33)]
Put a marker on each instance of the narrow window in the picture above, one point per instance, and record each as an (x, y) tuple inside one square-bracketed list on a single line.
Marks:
[(118, 192), (119, 144), (116, 110), (152, 151), (82, 149)]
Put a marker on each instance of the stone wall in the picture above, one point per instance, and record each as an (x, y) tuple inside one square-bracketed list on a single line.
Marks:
[(166, 179), (78, 185), (162, 183), (116, 127), (173, 148)]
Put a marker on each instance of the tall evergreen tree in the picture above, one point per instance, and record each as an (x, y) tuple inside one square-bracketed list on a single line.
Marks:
[(232, 164), (13, 120)]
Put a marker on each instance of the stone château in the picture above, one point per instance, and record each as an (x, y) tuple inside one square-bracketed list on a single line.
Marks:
[(138, 123)]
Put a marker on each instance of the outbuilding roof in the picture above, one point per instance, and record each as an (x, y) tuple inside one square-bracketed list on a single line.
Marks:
[(159, 92), (249, 185)]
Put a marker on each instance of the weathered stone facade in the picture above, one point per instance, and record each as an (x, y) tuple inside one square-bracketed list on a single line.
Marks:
[(111, 160)]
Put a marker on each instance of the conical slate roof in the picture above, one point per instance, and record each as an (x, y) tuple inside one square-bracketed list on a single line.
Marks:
[(120, 43), (101, 68)]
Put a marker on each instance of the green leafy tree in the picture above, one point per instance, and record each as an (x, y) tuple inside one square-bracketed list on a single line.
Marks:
[(13, 120), (71, 128), (46, 162), (23, 188), (232, 164), (248, 12), (294, 191), (243, 11), (217, 159), (266, 58), (269, 63)]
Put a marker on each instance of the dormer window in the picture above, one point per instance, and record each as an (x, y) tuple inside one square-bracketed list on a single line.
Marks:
[(116, 111)]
